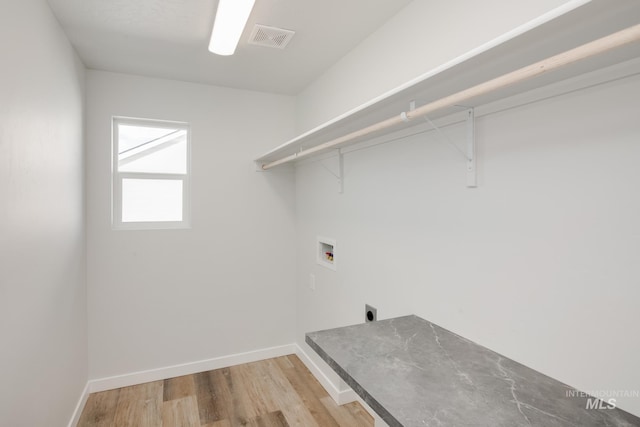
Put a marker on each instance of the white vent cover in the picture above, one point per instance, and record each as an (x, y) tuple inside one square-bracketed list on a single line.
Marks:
[(270, 36)]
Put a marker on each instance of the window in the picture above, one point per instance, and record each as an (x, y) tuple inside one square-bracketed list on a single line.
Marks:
[(150, 174)]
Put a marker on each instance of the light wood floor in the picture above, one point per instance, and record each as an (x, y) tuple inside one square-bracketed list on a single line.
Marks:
[(278, 392)]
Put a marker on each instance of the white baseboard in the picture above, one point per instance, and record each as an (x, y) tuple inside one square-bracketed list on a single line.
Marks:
[(133, 378), (80, 406), (340, 396), (109, 383)]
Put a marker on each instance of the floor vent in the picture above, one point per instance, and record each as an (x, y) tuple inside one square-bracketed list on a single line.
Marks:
[(263, 35)]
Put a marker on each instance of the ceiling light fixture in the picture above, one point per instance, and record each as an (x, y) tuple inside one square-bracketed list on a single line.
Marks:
[(231, 18)]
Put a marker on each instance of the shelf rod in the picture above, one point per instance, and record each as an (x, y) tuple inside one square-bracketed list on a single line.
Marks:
[(596, 47)]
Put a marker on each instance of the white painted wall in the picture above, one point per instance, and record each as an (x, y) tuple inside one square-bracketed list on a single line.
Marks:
[(43, 357), (422, 36), (539, 263), (225, 286)]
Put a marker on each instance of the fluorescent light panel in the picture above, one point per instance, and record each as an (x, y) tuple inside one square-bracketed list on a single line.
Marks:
[(231, 18)]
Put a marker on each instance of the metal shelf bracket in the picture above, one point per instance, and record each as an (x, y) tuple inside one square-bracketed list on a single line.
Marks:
[(472, 174), (340, 175), (340, 171), (469, 153)]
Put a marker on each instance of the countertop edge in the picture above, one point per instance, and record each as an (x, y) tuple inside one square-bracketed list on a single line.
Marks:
[(360, 391)]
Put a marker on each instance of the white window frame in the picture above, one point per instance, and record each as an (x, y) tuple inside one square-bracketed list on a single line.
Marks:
[(118, 177)]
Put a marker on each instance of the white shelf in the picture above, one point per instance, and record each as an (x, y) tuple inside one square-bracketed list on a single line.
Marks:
[(556, 32)]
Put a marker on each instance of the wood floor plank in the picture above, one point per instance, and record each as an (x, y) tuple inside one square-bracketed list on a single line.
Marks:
[(350, 414), (100, 409), (213, 403), (278, 392), (181, 412), (342, 416), (282, 394), (271, 419), (309, 390), (302, 370), (239, 406), (284, 361), (363, 417), (140, 406), (221, 423), (179, 387), (254, 389)]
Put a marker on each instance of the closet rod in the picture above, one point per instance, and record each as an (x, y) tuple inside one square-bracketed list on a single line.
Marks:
[(596, 47)]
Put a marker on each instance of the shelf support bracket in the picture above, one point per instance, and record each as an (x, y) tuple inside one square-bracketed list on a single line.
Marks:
[(470, 153), (340, 171), (472, 175), (340, 175)]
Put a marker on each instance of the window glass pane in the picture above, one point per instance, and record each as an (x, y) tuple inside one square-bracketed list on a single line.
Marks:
[(151, 200), (151, 149)]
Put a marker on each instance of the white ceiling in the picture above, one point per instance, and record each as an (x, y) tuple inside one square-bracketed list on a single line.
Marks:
[(169, 39)]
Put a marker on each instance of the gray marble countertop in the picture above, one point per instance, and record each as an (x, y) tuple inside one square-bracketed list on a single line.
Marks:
[(414, 373)]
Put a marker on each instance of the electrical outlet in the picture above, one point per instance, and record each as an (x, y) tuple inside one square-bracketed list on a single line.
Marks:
[(370, 313), (312, 282)]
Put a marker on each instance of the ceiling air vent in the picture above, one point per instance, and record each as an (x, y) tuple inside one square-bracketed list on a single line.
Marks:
[(270, 36)]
